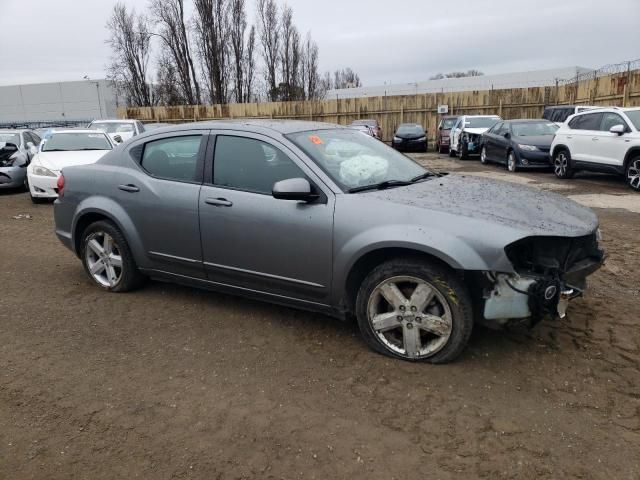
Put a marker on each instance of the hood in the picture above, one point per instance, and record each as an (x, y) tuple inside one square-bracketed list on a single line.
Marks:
[(477, 131), (531, 211), (56, 161), (536, 140), (410, 136)]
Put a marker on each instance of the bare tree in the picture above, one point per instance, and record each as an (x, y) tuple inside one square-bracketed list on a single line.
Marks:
[(468, 73), (249, 65), (129, 42), (169, 16), (309, 74), (212, 31), (237, 33), (346, 78), (289, 58), (166, 87), (269, 31)]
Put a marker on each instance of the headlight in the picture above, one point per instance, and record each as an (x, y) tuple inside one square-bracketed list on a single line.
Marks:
[(397, 139), (422, 139), (528, 148), (43, 172)]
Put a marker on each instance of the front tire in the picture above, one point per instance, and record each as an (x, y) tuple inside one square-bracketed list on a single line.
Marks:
[(633, 173), (462, 150), (107, 258), (414, 310), (562, 164)]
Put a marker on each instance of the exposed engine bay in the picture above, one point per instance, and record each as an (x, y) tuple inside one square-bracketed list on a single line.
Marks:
[(549, 272)]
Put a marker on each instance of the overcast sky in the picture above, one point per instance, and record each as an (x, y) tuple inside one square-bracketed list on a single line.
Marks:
[(383, 41)]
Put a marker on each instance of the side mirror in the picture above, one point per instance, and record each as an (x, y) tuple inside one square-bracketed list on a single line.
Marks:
[(506, 135), (117, 138), (294, 189), (618, 129)]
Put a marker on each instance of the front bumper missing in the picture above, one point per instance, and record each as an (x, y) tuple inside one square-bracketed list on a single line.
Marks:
[(514, 298)]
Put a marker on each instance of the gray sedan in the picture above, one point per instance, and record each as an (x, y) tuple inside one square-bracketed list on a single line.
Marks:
[(326, 219)]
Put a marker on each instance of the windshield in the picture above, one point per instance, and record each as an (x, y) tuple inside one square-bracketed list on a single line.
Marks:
[(480, 122), (76, 141), (534, 129), (410, 130), (10, 138), (634, 116), (113, 127), (354, 160), (449, 123)]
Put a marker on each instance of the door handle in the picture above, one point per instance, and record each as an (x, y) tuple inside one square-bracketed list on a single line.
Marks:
[(129, 188), (595, 139), (569, 137), (218, 202)]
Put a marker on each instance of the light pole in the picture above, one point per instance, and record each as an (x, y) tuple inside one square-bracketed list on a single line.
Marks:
[(86, 77)]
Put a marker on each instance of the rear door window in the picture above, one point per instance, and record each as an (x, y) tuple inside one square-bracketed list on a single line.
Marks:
[(173, 158), (590, 121)]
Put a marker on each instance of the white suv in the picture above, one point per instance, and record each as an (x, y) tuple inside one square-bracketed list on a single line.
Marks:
[(465, 135), (604, 140)]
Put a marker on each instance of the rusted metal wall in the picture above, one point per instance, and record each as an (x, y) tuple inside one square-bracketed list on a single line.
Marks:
[(621, 89)]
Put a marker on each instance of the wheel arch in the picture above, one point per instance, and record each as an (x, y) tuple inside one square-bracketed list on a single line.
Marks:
[(94, 211), (371, 259), (558, 147), (631, 153)]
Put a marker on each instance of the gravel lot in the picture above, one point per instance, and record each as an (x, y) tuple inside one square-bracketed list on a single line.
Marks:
[(171, 382)]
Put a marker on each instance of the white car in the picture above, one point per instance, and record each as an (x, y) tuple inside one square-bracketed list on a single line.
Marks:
[(64, 148), (603, 140), (118, 130), (467, 132)]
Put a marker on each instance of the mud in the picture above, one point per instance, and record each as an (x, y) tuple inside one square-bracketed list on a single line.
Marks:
[(170, 382)]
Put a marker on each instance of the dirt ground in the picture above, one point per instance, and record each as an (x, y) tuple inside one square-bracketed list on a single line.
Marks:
[(171, 382)]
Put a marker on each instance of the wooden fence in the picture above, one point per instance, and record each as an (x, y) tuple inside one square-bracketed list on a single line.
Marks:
[(620, 89)]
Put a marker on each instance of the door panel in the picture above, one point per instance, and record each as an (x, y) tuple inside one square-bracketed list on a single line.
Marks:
[(250, 239), (583, 129), (610, 148), (164, 210)]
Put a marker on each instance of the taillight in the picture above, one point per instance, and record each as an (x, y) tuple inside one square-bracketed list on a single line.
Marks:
[(60, 185)]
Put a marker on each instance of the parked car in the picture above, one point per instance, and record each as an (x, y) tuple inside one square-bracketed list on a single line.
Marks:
[(415, 256), (410, 137), (604, 140), (118, 130), (63, 148), (466, 133), (518, 144), (17, 148), (442, 134), (373, 124), (364, 129), (560, 113)]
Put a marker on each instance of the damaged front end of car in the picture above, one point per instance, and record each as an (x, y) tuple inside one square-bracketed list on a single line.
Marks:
[(548, 273)]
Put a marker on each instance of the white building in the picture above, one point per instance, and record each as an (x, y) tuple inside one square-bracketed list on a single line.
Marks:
[(83, 100), (538, 78)]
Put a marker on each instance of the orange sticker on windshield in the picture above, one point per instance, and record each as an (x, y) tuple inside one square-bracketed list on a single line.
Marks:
[(315, 139)]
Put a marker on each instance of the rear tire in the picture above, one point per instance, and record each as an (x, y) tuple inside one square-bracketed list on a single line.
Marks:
[(562, 164), (452, 153), (633, 173), (414, 310), (107, 258)]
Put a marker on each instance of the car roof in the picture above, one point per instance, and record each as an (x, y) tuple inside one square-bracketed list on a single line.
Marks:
[(123, 120), (281, 126), (528, 120), (13, 130)]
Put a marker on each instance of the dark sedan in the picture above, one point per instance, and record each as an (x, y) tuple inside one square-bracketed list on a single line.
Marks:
[(410, 137), (519, 143)]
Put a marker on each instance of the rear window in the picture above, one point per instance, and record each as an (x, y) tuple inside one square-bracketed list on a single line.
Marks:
[(448, 123)]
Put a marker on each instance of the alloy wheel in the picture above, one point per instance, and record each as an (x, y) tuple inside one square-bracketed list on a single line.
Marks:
[(633, 174), (410, 316), (483, 155), (511, 162), (104, 259), (560, 164)]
